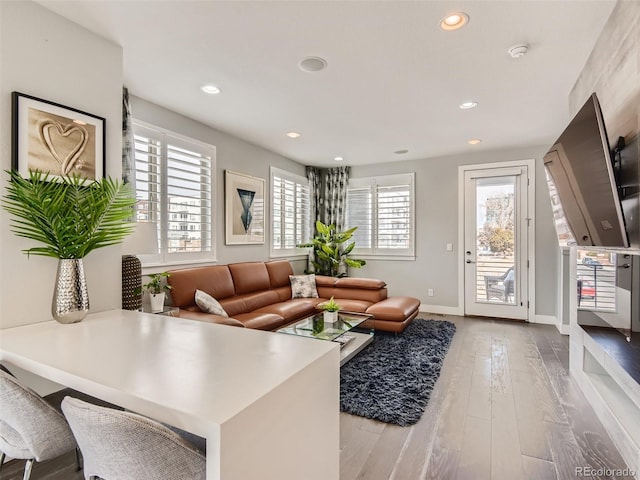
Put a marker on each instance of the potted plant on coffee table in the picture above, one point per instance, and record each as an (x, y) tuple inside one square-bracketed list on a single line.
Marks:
[(157, 288), (331, 309)]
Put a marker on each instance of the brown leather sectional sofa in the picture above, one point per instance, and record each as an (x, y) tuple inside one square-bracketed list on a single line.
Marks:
[(258, 295)]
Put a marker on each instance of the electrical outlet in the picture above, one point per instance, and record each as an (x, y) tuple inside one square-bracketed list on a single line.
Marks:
[(449, 247), (430, 292)]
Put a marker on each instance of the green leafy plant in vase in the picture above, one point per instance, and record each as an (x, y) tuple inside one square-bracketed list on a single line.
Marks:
[(70, 218), (331, 309), (157, 288), (330, 256)]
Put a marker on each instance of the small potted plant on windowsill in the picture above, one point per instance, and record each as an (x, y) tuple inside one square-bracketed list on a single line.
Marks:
[(156, 288), (331, 309)]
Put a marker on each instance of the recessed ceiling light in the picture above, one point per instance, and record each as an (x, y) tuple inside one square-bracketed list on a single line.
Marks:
[(468, 105), (454, 21), (401, 152), (293, 134), (312, 64), (474, 141), (210, 89), (338, 159)]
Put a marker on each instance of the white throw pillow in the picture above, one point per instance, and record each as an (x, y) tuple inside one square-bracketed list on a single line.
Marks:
[(303, 286), (209, 304)]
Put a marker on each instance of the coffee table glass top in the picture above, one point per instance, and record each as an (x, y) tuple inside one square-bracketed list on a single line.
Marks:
[(315, 326)]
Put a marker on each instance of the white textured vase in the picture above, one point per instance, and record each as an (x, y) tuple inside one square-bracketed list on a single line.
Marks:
[(330, 317), (157, 302), (70, 302)]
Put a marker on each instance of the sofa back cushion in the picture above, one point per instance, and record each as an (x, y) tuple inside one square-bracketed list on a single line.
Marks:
[(249, 277), (350, 282), (279, 272), (215, 280), (371, 296)]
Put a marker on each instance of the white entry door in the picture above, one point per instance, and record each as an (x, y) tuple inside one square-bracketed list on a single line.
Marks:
[(496, 242)]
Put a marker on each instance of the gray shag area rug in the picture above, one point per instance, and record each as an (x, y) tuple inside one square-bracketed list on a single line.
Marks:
[(391, 380)]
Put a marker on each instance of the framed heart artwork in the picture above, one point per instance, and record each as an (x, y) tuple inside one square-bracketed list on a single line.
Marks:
[(56, 139)]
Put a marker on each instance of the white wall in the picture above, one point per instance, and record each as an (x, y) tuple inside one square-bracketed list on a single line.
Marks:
[(437, 225), (233, 154), (46, 56)]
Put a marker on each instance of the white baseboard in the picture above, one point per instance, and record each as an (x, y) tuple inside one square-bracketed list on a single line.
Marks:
[(552, 320), (440, 309), (545, 319)]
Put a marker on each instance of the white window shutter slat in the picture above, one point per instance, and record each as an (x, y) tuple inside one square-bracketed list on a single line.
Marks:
[(383, 210), (174, 187), (290, 212)]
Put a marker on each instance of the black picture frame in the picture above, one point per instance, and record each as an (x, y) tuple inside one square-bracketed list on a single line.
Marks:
[(56, 139)]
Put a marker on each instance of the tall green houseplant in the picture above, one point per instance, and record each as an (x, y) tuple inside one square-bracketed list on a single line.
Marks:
[(70, 218), (330, 252)]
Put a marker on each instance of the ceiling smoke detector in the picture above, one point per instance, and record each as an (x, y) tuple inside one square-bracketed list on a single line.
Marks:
[(518, 51), (312, 64)]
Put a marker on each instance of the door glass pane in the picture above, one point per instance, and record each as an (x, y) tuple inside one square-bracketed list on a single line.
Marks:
[(495, 240)]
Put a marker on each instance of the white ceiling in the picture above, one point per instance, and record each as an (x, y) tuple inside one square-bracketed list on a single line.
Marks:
[(394, 79)]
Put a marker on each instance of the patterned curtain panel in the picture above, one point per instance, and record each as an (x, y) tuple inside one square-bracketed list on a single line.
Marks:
[(335, 196), (314, 175), (128, 146)]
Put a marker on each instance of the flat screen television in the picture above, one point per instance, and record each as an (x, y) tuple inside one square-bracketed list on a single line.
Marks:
[(586, 205)]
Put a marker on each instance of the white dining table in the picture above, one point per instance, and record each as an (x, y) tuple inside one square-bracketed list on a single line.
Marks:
[(267, 403)]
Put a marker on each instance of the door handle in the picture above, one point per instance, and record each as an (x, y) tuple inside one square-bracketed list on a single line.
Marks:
[(470, 261), (625, 265)]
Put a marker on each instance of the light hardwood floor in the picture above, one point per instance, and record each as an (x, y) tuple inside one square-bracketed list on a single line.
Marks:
[(504, 407)]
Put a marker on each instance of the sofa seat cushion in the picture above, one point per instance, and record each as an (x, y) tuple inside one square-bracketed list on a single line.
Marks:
[(348, 305), (395, 309), (248, 302), (386, 325), (292, 309), (261, 320), (284, 293), (209, 317)]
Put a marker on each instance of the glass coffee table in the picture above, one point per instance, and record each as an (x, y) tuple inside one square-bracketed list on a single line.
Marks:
[(346, 331)]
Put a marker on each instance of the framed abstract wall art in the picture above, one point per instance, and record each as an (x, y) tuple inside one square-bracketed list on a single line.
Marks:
[(56, 139), (244, 209)]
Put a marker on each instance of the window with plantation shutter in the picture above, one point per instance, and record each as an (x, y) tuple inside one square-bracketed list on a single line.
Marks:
[(360, 214), (174, 188), (290, 213), (383, 210)]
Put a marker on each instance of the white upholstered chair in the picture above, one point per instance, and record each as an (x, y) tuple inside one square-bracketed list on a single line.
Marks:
[(30, 428), (119, 445)]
